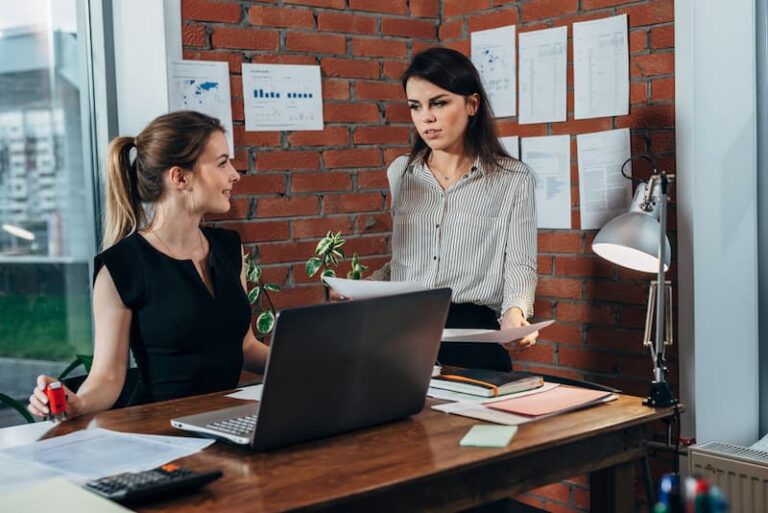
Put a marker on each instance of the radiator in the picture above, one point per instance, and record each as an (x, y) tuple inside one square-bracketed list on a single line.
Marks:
[(741, 474)]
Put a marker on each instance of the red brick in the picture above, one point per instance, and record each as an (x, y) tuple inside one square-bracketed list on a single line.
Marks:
[(372, 180), (352, 158), (373, 245), (346, 23), (563, 333), (638, 41), (299, 296), (408, 28), (352, 68), (662, 142), (314, 228), (559, 242), (381, 135), (390, 154), (274, 274), (539, 353), (388, 6), (233, 58), (260, 184), (638, 92), (359, 202), (281, 17), (453, 29), (553, 371), (510, 127), (636, 366), (287, 207), (559, 287), (462, 46), (205, 10), (373, 223), (615, 339), (652, 64), (588, 5), (397, 113), (663, 37), (663, 89), (194, 35), (543, 9), (557, 491), (317, 43), (315, 182), (616, 292), (586, 313), (336, 4), (280, 160), (335, 89), (378, 91), (582, 266), (243, 138), (260, 231), (245, 38), (649, 13), (544, 264), (425, 8), (648, 116), (394, 70), (378, 47), (238, 209), (597, 361), (453, 8), (582, 126), (493, 20), (240, 160), (350, 113), (284, 59), (329, 136), (632, 317)]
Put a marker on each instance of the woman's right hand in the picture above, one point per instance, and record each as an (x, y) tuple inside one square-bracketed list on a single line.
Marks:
[(38, 401)]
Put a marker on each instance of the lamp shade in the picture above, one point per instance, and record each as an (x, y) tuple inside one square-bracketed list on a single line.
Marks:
[(632, 240)]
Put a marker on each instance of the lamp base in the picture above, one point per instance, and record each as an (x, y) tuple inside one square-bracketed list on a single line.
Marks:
[(661, 395)]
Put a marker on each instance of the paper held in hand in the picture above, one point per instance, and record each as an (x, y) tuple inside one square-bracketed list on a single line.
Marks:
[(492, 336), (367, 289)]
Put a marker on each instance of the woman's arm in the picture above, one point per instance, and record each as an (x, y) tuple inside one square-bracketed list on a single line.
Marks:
[(102, 387), (254, 352)]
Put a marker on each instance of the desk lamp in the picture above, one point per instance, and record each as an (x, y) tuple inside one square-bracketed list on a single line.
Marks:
[(638, 240)]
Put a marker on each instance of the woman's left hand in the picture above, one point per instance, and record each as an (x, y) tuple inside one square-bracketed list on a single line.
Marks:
[(514, 318)]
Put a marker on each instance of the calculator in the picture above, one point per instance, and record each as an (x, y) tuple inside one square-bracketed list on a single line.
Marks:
[(164, 481)]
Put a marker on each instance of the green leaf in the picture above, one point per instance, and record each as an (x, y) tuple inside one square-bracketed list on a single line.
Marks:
[(254, 273), (323, 246), (18, 406), (329, 272), (265, 322), (312, 266), (354, 275), (272, 287), (254, 294)]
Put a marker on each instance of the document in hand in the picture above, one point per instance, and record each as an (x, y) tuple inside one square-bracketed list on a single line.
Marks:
[(492, 336), (486, 383), (367, 289), (556, 400)]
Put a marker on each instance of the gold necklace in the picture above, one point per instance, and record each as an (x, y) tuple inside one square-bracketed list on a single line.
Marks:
[(448, 178)]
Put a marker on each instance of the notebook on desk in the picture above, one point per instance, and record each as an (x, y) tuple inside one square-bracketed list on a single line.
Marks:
[(337, 367)]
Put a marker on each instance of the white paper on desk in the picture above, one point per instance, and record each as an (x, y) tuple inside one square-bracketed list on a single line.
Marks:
[(512, 145), (367, 289), (542, 75), (282, 97), (491, 336), (24, 433), (450, 395), (493, 54), (16, 474), (601, 68), (203, 86), (60, 496), (603, 192), (95, 453), (250, 393), (550, 159)]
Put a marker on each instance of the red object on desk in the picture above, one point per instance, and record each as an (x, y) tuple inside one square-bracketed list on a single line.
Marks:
[(57, 401), (557, 400)]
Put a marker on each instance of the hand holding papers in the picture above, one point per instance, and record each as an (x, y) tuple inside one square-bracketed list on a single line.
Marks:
[(367, 289), (492, 336)]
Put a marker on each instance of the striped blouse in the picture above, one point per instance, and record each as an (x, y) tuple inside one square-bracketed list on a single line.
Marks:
[(477, 237)]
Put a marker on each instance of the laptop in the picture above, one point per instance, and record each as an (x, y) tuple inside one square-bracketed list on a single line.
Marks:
[(337, 367)]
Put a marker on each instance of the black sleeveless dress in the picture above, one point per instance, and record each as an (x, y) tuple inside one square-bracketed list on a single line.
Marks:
[(185, 340)]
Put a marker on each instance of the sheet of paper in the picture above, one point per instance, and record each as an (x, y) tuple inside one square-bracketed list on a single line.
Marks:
[(24, 433), (512, 145), (493, 54), (203, 86), (367, 289), (478, 411), (251, 393), (95, 453), (16, 474), (603, 192), (282, 97), (60, 496), (601, 68), (491, 336), (483, 435), (558, 400), (450, 395), (550, 159), (543, 62)]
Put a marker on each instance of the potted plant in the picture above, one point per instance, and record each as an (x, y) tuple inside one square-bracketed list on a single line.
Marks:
[(259, 295), (328, 255)]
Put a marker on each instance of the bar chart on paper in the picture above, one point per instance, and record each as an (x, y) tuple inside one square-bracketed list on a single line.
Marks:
[(282, 97)]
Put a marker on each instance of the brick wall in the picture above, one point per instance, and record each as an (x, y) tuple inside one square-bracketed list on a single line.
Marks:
[(298, 185)]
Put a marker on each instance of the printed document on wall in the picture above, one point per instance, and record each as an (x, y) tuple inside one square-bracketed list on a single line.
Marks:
[(493, 53), (542, 75), (601, 68), (512, 145), (550, 159), (282, 97), (603, 192), (203, 86)]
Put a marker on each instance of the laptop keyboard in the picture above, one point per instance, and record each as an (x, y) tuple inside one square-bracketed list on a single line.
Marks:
[(239, 426)]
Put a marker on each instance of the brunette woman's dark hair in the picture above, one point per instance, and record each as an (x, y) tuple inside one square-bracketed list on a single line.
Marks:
[(453, 71)]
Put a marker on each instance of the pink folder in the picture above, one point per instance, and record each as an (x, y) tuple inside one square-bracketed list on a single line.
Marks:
[(560, 399)]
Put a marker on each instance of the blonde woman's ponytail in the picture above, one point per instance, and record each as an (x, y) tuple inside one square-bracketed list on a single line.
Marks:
[(125, 214)]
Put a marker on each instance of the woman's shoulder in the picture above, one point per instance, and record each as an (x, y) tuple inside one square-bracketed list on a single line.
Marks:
[(124, 248), (514, 166), (399, 164)]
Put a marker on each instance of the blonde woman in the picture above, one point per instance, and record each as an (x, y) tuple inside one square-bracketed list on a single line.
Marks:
[(166, 288)]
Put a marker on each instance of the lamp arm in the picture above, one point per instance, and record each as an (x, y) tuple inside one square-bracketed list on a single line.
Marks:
[(659, 364)]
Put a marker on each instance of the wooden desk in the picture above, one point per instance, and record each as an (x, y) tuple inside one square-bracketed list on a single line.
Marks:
[(410, 465)]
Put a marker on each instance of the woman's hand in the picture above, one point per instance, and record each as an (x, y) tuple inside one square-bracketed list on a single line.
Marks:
[(38, 401), (514, 318)]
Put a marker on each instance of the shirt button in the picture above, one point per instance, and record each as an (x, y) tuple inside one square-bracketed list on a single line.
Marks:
[(434, 258), (437, 226)]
